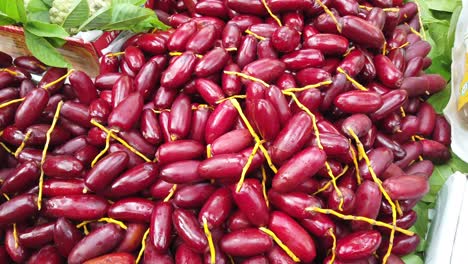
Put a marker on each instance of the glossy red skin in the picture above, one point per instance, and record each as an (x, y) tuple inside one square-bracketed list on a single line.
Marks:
[(406, 187), (221, 120), (98, 242), (86, 154), (358, 245), (37, 236), (31, 108), (105, 81), (346, 7), (405, 221), (60, 187), (179, 71), (413, 151), (353, 63), (203, 40), (149, 126), (106, 95), (6, 79), (184, 255), (423, 167), (66, 236), (333, 144), (362, 32), (300, 167), (391, 102), (231, 84), (134, 58), (160, 189), (126, 114), (83, 86), (18, 208), (319, 225), (5, 60), (442, 131), (265, 50), (134, 180), (387, 72), (217, 208), (136, 140), (325, 23), (121, 89), (427, 119), (161, 226), (131, 210), (286, 80), (358, 102), (212, 62), (276, 255), (377, 17), (152, 256), (435, 151), (237, 221), (47, 255), (285, 39), (413, 67), (10, 93), (21, 178), (304, 58), (251, 202), (293, 236), (279, 101), (152, 43), (291, 138), (420, 85), (397, 57), (181, 172), (51, 75), (360, 124), (247, 51), (178, 151), (181, 35), (380, 159), (265, 30), (180, 117), (222, 166), (77, 113), (123, 258), (247, 7), (266, 69), (232, 142), (312, 76), (210, 91), (17, 254), (293, 203), (164, 123), (106, 170), (368, 200), (99, 110), (212, 8), (349, 200), (193, 196), (63, 166), (108, 64), (420, 48), (246, 243), (76, 207), (186, 225), (132, 238), (402, 244)]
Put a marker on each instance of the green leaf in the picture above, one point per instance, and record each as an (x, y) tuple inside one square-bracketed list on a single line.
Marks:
[(48, 2), (440, 99), (133, 2), (446, 6), (44, 51), (5, 20), (56, 42), (129, 17), (412, 259), (39, 16), (21, 11), (10, 9), (76, 15), (36, 6), (101, 18), (46, 30)]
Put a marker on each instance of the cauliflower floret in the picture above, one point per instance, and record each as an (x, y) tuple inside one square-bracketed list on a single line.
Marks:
[(60, 8)]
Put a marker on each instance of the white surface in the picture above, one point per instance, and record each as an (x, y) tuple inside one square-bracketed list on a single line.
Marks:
[(450, 223), (459, 126)]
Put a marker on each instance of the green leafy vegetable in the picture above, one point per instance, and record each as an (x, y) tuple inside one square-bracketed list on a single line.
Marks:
[(44, 51), (42, 29)]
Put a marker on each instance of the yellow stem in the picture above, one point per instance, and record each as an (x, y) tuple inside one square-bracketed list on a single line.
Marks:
[(44, 152), (231, 49), (271, 13), (248, 31), (354, 82), (325, 8), (115, 54), (95, 160), (5, 104), (384, 49), (247, 166), (280, 244), (356, 166), (171, 193), (402, 110), (120, 140), (240, 96), (143, 246), (420, 20), (15, 235), (7, 149), (58, 80), (10, 71), (264, 191), (23, 144), (333, 249), (210, 241), (209, 154), (248, 77), (337, 190), (359, 218), (308, 87), (414, 31), (327, 185)]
